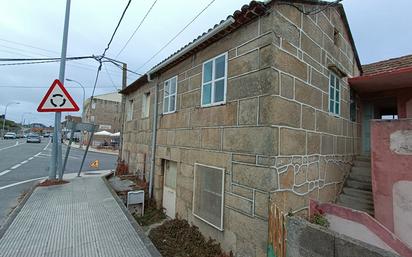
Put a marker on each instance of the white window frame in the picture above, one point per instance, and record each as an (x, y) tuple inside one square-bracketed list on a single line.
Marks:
[(93, 105), (129, 110), (213, 81), (223, 195), (169, 81), (336, 88), (146, 105), (92, 118)]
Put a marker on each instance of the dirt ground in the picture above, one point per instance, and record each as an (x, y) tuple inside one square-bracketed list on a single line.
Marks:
[(52, 182), (177, 238)]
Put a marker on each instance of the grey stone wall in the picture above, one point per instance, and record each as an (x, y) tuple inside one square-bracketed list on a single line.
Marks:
[(274, 135), (305, 239)]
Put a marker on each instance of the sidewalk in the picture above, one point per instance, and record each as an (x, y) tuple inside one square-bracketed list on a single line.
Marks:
[(81, 218), (91, 149)]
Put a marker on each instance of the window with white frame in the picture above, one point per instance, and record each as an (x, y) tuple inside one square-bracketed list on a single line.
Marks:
[(169, 95), (146, 105), (129, 110), (93, 105), (214, 81), (208, 191), (334, 94), (92, 118)]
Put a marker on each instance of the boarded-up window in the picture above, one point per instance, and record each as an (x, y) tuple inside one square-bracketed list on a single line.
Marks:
[(208, 194)]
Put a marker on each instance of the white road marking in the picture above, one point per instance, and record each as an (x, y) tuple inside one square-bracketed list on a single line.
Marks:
[(4, 172), (17, 143), (44, 149), (18, 165), (15, 166), (21, 182)]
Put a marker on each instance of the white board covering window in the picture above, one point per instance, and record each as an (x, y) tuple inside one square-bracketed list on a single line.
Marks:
[(334, 94), (129, 110), (146, 105), (169, 95), (214, 80), (208, 191)]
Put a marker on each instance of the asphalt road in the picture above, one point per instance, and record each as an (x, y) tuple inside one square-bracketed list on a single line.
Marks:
[(22, 164)]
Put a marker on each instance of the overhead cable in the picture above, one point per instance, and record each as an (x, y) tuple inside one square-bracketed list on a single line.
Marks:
[(138, 27), (173, 38)]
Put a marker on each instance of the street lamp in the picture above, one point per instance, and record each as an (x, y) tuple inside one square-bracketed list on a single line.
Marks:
[(5, 113), (84, 95), (84, 91), (22, 117)]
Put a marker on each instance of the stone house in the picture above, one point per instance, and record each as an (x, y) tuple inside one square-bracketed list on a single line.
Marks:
[(256, 109)]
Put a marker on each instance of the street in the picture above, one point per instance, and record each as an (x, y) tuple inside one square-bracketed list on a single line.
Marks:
[(22, 164)]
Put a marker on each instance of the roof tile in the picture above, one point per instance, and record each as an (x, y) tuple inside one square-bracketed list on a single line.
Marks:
[(387, 65)]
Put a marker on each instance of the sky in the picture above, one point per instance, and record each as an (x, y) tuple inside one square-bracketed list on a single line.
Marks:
[(34, 29)]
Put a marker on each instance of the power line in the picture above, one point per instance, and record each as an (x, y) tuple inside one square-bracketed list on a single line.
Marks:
[(117, 26), (99, 59), (110, 77), (120, 67), (45, 59), (138, 27), (28, 61), (25, 87), (180, 32), (75, 64)]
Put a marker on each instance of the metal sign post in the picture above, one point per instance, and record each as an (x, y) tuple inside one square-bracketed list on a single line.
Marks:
[(87, 149)]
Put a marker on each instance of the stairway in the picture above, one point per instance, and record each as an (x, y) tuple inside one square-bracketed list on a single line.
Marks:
[(357, 191)]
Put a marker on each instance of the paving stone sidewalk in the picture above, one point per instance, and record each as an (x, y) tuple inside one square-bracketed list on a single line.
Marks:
[(80, 218)]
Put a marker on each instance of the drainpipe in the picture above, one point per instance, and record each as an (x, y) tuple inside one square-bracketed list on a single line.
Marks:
[(154, 136)]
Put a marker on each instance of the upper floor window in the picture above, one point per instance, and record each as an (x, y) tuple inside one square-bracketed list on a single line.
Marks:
[(93, 105), (334, 94), (146, 105), (92, 118), (214, 81), (169, 96), (129, 110)]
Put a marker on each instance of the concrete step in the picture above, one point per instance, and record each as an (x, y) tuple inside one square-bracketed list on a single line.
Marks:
[(365, 158), (357, 163), (360, 178), (353, 199), (362, 171), (357, 207), (358, 184), (358, 193)]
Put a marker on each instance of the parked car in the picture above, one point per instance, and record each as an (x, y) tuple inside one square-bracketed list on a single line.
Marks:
[(33, 138), (10, 135)]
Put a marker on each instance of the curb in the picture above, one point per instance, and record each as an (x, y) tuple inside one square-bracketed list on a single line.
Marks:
[(17, 209), (147, 242), (91, 150)]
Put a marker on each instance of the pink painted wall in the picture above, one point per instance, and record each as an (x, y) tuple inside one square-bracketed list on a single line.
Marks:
[(389, 166), (360, 225)]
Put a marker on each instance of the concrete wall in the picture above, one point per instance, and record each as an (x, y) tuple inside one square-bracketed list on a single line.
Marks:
[(274, 135), (306, 239), (402, 210), (391, 169)]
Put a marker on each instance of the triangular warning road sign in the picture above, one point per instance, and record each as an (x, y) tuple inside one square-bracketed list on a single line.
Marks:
[(94, 164), (57, 99)]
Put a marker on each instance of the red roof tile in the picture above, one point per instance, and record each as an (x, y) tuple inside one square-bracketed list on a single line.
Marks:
[(387, 65)]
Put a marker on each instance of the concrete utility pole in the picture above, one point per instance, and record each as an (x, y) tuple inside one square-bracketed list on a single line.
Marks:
[(56, 158), (5, 113), (123, 108)]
